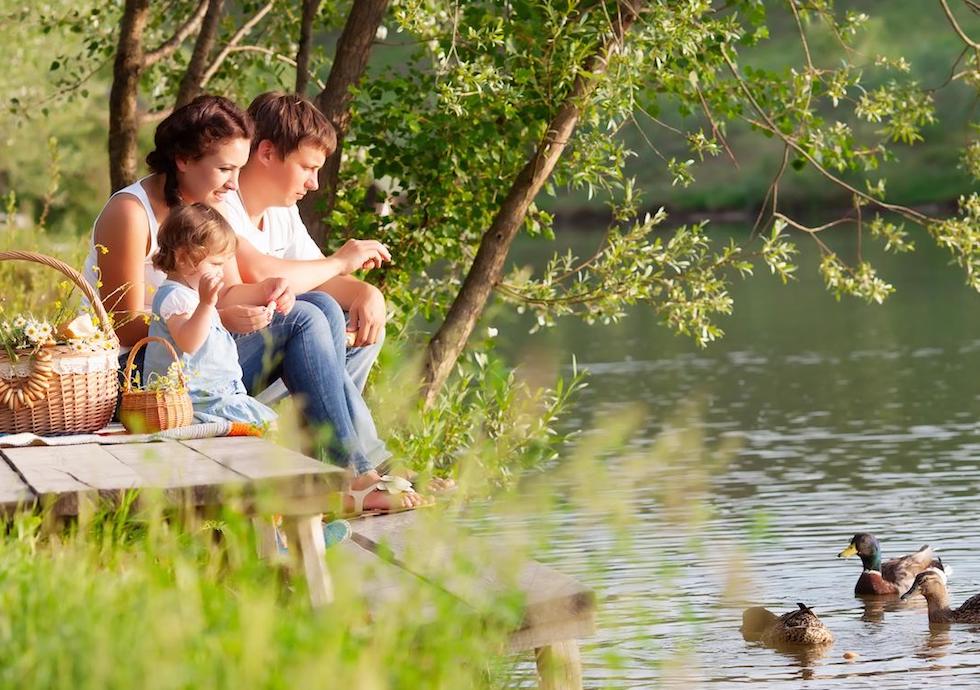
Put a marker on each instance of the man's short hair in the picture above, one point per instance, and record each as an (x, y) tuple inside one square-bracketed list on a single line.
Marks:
[(289, 120)]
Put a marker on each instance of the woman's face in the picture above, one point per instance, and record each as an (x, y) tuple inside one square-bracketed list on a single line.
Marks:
[(209, 178)]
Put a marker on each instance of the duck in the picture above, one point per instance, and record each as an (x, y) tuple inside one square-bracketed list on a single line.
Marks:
[(798, 628), (932, 584), (892, 577)]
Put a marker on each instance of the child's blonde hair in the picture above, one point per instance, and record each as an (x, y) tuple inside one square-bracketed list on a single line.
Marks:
[(198, 231)]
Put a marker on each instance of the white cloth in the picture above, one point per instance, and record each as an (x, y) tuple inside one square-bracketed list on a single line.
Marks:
[(282, 233), (152, 278), (180, 301)]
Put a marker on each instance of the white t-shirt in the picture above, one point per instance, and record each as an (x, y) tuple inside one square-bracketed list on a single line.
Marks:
[(282, 235)]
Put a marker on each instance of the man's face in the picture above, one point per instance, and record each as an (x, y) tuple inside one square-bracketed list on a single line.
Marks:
[(297, 174)]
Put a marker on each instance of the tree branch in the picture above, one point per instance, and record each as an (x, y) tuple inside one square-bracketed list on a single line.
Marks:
[(310, 8), (190, 84), (278, 56), (167, 48), (242, 32), (768, 125), (447, 344), (956, 27)]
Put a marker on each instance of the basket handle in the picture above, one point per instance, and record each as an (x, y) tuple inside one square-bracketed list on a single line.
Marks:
[(142, 342), (71, 274)]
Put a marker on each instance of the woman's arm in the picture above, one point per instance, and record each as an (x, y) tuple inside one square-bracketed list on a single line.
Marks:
[(124, 231), (242, 306)]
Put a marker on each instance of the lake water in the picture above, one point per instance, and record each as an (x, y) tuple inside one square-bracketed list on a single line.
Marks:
[(844, 418)]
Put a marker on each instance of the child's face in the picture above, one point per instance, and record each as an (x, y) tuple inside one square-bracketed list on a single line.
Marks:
[(209, 178), (209, 265)]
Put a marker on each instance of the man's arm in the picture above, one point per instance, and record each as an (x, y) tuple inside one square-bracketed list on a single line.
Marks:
[(304, 275)]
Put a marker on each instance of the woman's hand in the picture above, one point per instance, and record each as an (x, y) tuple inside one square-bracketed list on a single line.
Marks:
[(358, 254), (367, 315), (244, 318)]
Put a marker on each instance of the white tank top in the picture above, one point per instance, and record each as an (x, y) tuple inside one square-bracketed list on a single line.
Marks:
[(152, 278)]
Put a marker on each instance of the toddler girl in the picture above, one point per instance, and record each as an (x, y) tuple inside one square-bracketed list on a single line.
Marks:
[(194, 243)]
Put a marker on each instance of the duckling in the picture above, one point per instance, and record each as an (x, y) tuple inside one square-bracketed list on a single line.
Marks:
[(894, 576), (796, 628), (932, 584)]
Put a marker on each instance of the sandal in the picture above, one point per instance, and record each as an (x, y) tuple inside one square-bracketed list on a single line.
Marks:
[(388, 468), (392, 484)]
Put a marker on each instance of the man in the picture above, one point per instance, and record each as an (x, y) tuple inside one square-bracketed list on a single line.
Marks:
[(292, 142)]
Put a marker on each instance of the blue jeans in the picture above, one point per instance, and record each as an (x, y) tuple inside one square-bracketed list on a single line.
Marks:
[(307, 349)]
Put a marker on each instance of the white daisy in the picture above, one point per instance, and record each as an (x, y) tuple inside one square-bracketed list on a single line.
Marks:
[(32, 331)]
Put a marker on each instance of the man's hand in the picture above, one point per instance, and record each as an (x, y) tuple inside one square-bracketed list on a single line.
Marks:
[(358, 254), (367, 316), (243, 318), (278, 291)]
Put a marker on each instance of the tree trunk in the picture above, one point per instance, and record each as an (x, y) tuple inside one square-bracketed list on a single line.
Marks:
[(123, 115), (310, 8), (191, 83), (446, 345), (350, 61)]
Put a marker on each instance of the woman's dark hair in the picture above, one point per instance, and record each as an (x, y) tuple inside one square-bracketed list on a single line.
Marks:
[(192, 131)]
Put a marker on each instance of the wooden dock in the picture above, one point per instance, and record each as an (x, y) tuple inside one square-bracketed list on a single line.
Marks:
[(69, 482)]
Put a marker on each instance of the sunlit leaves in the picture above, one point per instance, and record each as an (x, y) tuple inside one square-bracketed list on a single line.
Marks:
[(862, 281)]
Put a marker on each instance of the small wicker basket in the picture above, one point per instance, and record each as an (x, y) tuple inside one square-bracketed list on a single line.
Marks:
[(59, 391), (142, 411)]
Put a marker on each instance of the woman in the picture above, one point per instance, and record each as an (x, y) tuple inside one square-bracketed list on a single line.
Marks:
[(199, 150)]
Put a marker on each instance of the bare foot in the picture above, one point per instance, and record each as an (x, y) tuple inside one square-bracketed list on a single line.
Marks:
[(381, 499)]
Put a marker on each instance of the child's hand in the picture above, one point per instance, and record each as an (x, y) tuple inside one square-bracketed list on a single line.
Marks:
[(209, 287)]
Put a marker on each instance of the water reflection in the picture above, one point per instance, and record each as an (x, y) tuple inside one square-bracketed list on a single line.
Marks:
[(875, 607), (935, 645)]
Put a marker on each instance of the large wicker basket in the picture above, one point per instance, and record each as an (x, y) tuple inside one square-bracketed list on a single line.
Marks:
[(59, 391), (143, 411)]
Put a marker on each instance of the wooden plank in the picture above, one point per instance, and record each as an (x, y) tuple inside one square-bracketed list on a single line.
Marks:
[(384, 585), (560, 666), (258, 459), (306, 548), (179, 470), (553, 601), (14, 493), (60, 474)]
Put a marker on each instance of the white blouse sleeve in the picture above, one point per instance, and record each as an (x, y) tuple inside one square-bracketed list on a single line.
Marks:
[(178, 302)]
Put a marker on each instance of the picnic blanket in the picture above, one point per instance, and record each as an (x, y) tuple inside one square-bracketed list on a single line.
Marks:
[(115, 433)]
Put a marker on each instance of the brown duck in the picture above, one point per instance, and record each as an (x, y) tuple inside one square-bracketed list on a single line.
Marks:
[(894, 576), (932, 584), (800, 628)]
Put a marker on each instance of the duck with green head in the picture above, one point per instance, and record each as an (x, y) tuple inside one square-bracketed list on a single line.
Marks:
[(932, 584), (892, 577)]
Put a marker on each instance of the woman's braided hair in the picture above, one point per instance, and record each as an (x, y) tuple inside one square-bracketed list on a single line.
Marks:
[(192, 131)]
